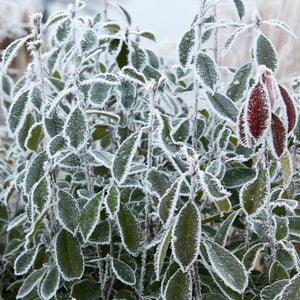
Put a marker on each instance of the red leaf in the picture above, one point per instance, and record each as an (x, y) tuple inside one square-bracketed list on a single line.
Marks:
[(258, 111), (290, 108), (268, 81), (242, 133), (279, 136)]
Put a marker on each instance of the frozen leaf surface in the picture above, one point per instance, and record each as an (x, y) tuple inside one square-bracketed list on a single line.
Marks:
[(270, 292), (112, 200), (240, 7), (123, 272), (50, 283), (251, 256), (86, 289), (41, 193), (25, 260), (186, 233), (186, 46), (69, 255), (279, 135), (292, 290), (89, 41)]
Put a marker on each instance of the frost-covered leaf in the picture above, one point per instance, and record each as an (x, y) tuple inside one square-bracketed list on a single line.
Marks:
[(125, 13), (57, 144), (11, 51), (54, 125), (76, 128), (134, 75), (224, 205), (63, 30), (30, 283), (89, 41), (162, 251), (36, 97), (287, 168), (265, 53), (186, 235), (168, 202), (50, 283), (279, 135), (130, 230), (243, 136), (128, 94), (166, 136), (227, 266), (207, 70), (124, 156), (123, 272), (138, 58), (251, 256), (103, 157), (290, 108), (112, 200), (224, 106), (240, 7), (239, 83), (258, 111), (152, 73), (236, 177), (99, 92), (186, 47), (280, 25), (35, 171), (90, 215), (294, 226), (55, 17), (68, 211), (41, 194), (222, 233), (86, 289), (101, 233), (213, 187), (25, 260), (69, 255), (35, 136), (52, 59), (153, 59), (271, 292), (182, 131), (179, 287), (277, 272), (233, 36), (70, 160), (17, 111), (24, 130), (254, 193), (159, 181), (292, 290), (149, 35)]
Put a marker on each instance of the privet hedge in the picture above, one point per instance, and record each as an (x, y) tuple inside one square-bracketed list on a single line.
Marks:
[(128, 178)]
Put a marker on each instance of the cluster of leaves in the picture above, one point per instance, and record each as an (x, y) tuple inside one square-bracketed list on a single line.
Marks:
[(127, 178)]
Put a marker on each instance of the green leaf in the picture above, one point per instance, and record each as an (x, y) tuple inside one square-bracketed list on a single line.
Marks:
[(36, 97), (101, 233), (57, 144), (292, 290), (86, 289), (122, 58), (68, 211), (251, 256), (287, 168), (63, 30), (186, 235), (207, 71), (138, 58), (7, 85), (294, 226), (114, 47), (112, 27), (25, 260), (227, 266), (35, 136), (224, 106), (239, 83), (77, 128), (90, 215), (124, 156), (222, 233), (89, 41), (11, 51), (50, 283), (167, 204), (152, 73), (35, 171), (281, 228), (186, 47), (277, 272), (254, 193), (17, 111), (212, 185), (271, 292), (148, 35), (99, 93), (55, 17), (24, 130), (224, 205), (265, 53), (112, 200), (179, 287), (134, 75), (182, 131), (128, 94), (69, 256), (236, 177), (123, 272), (52, 59), (159, 181), (30, 283), (162, 251), (240, 7), (41, 194), (130, 230), (54, 125), (125, 14)]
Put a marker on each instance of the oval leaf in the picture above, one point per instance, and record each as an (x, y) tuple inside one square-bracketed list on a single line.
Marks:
[(50, 283), (186, 46), (25, 260), (123, 272), (112, 200), (279, 135)]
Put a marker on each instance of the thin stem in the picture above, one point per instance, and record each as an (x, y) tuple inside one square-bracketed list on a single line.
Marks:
[(197, 281), (216, 37), (101, 273)]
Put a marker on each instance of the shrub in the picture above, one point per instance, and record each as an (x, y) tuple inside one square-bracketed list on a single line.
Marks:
[(126, 178)]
